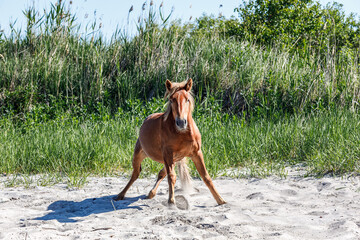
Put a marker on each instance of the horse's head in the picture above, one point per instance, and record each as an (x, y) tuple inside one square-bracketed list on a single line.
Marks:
[(181, 102)]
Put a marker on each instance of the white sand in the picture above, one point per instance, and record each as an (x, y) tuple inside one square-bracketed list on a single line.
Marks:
[(272, 208)]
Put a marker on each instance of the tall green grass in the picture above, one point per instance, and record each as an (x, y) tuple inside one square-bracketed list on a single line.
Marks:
[(324, 142), (72, 102), (52, 58)]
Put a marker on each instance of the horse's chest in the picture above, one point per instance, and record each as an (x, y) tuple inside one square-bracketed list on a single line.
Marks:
[(183, 149)]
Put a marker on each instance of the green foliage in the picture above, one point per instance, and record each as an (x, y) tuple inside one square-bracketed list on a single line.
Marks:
[(207, 26), (55, 66), (295, 25), (323, 142), (285, 21), (298, 23), (276, 87)]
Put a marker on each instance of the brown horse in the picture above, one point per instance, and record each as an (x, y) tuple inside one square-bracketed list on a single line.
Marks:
[(170, 137)]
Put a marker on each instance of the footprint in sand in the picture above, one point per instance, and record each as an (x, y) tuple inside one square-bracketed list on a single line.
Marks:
[(289, 192), (322, 185), (318, 213), (180, 202), (257, 195), (337, 225)]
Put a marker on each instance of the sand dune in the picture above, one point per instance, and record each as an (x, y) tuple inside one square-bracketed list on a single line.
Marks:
[(271, 208)]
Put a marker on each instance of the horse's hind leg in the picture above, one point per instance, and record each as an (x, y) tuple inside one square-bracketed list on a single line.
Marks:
[(160, 177), (138, 157)]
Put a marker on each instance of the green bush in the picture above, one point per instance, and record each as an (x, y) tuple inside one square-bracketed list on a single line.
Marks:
[(294, 24)]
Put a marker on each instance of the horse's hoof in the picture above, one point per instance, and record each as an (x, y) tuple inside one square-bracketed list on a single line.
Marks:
[(119, 197), (171, 201), (172, 205), (151, 195)]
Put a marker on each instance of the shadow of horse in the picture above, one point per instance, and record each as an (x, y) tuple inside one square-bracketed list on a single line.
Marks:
[(65, 211)]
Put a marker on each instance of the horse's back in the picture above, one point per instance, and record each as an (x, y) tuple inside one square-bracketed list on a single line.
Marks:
[(150, 136)]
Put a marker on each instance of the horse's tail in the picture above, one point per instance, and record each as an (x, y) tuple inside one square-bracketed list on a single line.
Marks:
[(185, 178)]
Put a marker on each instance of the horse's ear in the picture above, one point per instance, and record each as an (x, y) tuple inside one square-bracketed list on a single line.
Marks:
[(188, 84), (168, 84)]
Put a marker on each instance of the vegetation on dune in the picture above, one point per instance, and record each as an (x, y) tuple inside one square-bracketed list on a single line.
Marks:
[(277, 86), (322, 142), (275, 57)]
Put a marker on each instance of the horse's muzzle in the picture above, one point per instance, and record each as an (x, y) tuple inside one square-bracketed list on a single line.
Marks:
[(181, 124)]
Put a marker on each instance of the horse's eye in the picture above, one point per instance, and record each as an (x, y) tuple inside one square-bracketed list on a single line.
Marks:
[(187, 100)]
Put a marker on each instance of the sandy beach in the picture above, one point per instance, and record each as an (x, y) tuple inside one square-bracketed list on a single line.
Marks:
[(270, 208)]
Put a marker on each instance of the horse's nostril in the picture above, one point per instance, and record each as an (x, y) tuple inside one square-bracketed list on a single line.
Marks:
[(185, 121)]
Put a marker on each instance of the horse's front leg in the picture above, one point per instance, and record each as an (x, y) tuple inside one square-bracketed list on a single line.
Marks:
[(198, 160), (170, 170)]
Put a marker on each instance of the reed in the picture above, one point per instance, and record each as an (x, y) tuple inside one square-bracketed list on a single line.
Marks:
[(53, 59), (71, 103)]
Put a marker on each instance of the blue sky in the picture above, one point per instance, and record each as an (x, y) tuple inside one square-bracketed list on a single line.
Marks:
[(112, 13)]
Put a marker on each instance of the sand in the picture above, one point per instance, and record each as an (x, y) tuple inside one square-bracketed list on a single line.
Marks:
[(270, 208)]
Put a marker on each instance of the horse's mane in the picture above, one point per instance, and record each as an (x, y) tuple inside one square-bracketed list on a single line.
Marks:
[(175, 87)]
